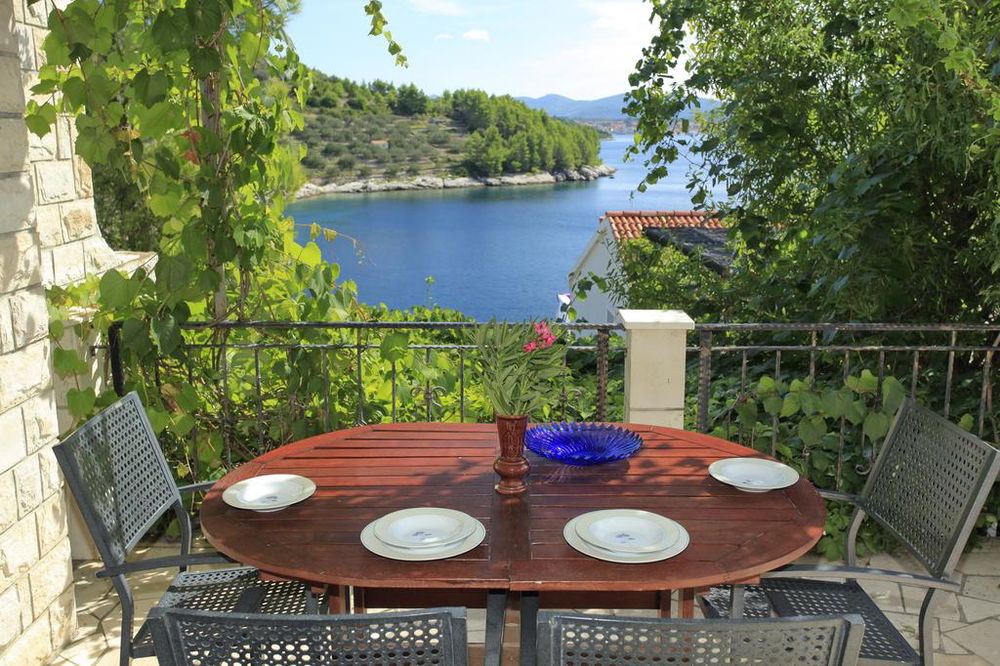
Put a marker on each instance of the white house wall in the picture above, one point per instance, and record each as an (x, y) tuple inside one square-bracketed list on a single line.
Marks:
[(598, 308)]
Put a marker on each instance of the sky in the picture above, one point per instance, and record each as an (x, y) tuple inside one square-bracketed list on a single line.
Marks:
[(583, 49)]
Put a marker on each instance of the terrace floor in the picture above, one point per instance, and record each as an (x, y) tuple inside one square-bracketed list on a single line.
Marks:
[(968, 624)]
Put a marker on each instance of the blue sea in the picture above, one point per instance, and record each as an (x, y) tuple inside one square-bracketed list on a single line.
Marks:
[(499, 252)]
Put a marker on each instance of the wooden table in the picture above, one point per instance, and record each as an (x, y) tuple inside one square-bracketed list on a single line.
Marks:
[(363, 473)]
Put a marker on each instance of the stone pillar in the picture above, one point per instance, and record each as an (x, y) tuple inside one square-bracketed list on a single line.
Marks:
[(654, 366), (48, 236)]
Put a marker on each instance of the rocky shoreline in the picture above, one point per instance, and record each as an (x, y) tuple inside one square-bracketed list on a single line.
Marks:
[(433, 183)]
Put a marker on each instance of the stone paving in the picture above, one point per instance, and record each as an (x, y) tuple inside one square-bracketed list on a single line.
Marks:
[(968, 623)]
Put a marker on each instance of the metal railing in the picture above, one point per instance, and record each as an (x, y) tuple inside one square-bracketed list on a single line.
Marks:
[(944, 365), (945, 362), (603, 351)]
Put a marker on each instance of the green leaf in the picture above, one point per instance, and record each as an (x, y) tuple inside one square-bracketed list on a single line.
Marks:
[(967, 422), (169, 30), (311, 255), (748, 413), (819, 461), (158, 419), (893, 395), (80, 402), (876, 425), (868, 381), (159, 118), (855, 411), (791, 404), (67, 362), (168, 163), (181, 424), (205, 61), (172, 272), (187, 398), (150, 88), (194, 243), (832, 403), (166, 334), (205, 16), (117, 291), (135, 337), (773, 404), (812, 430), (394, 345), (810, 402), (40, 118)]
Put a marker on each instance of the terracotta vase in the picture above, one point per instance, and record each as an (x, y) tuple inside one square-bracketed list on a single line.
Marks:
[(511, 464)]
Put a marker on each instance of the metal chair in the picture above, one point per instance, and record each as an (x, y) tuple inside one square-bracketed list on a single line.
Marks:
[(927, 488), (189, 638), (603, 640), (115, 469)]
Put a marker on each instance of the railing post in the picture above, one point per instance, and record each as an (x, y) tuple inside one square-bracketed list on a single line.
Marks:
[(115, 354), (704, 378), (655, 364), (602, 374)]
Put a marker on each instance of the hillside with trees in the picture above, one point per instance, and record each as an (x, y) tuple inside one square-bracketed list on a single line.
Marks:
[(362, 130)]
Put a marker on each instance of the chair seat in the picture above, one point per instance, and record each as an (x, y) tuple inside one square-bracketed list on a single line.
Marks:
[(224, 590), (716, 602), (791, 597)]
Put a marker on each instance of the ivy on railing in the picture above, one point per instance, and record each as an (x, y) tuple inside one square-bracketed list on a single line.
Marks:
[(829, 431)]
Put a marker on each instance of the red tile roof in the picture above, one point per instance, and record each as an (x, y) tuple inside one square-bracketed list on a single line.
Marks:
[(626, 224)]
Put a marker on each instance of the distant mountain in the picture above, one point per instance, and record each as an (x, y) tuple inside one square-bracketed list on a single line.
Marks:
[(564, 107), (606, 108)]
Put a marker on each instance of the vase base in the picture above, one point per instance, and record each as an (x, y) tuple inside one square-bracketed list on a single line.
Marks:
[(511, 488)]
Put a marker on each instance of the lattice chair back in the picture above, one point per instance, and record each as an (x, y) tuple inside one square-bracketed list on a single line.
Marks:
[(116, 471), (928, 485), (594, 640), (187, 637)]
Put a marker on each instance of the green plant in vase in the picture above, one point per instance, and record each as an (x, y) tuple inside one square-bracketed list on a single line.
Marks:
[(516, 363)]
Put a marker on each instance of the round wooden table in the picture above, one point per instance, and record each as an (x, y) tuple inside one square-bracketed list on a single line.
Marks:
[(363, 473)]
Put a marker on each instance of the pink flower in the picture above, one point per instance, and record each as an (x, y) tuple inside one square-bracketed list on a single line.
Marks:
[(531, 346), (542, 329)]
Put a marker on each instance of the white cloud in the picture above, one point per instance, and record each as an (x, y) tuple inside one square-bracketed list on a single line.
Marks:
[(604, 53), (476, 35), (618, 16), (443, 35), (439, 7)]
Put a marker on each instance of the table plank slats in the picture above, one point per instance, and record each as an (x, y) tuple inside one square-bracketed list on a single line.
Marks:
[(365, 472)]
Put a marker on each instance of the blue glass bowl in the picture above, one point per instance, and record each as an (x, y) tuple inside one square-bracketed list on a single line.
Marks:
[(582, 443)]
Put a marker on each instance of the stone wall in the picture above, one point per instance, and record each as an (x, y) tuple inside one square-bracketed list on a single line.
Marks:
[(48, 236)]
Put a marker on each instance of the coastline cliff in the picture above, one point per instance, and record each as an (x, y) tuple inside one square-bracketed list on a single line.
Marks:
[(584, 173)]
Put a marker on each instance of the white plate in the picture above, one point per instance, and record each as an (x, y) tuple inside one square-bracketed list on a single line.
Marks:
[(753, 475), (377, 546), (574, 540), (423, 527), (269, 492), (627, 530)]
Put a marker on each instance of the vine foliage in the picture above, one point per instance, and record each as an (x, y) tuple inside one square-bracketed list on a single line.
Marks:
[(190, 103)]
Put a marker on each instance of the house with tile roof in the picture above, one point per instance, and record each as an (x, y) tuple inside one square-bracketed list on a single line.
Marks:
[(689, 230)]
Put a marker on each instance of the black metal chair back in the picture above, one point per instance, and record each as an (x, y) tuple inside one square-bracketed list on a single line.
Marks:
[(432, 636), (121, 481), (593, 640), (928, 485)]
